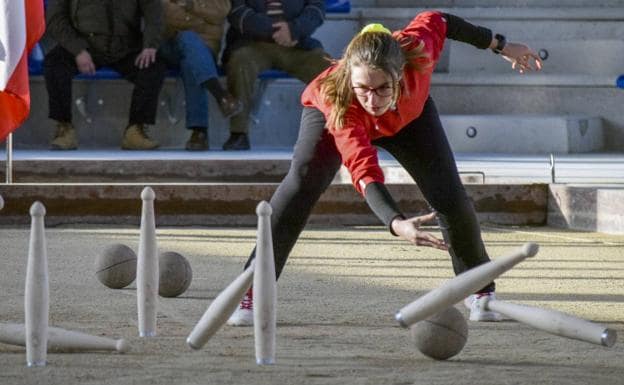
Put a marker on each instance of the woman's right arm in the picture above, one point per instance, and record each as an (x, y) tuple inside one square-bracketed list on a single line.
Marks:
[(521, 57)]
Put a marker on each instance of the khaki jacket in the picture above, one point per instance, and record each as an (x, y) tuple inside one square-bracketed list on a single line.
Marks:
[(205, 17)]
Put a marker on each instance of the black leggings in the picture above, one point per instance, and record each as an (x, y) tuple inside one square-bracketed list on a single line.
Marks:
[(420, 147)]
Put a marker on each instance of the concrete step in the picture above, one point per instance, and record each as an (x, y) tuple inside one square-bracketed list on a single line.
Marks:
[(587, 208), (523, 134), (560, 57), (178, 166), (517, 23), (234, 204), (534, 94)]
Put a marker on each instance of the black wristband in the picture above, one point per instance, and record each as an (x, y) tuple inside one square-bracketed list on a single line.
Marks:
[(501, 42)]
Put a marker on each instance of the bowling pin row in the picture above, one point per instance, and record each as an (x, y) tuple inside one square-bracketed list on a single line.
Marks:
[(37, 335)]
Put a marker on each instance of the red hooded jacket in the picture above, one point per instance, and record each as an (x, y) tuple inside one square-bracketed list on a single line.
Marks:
[(360, 128)]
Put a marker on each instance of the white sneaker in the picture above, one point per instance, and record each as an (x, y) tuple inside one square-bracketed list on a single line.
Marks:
[(477, 313), (243, 315)]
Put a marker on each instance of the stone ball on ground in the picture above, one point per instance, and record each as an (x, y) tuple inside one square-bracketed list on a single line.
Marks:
[(441, 336), (115, 266), (175, 274)]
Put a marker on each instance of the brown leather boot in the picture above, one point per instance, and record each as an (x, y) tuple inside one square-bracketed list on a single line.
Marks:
[(198, 141), (135, 138), (65, 137)]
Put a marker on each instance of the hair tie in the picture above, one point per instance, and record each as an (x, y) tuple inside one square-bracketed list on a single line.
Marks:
[(375, 27)]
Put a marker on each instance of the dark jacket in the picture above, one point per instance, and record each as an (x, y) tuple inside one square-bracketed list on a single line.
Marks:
[(249, 22), (108, 29)]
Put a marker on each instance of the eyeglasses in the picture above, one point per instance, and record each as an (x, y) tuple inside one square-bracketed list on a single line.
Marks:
[(383, 91)]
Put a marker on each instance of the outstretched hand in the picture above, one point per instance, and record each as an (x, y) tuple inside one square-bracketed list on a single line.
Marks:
[(409, 229), (522, 58)]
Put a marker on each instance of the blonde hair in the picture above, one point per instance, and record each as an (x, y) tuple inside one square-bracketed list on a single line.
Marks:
[(378, 50)]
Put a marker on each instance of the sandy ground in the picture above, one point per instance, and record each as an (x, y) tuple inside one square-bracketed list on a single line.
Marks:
[(336, 303)]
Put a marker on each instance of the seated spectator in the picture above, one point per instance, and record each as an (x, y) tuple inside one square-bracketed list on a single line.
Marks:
[(194, 29), (269, 34), (94, 33)]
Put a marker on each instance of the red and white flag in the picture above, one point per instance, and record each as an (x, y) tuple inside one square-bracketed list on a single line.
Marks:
[(21, 25)]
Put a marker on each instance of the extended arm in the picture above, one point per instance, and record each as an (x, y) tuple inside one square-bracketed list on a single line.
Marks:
[(521, 57), (383, 205)]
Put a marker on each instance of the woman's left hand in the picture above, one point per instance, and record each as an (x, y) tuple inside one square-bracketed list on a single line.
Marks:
[(409, 229), (522, 58)]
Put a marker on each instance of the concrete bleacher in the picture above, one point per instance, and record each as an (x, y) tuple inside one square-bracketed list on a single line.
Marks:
[(560, 127)]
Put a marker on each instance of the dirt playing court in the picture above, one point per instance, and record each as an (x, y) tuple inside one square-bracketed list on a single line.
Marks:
[(336, 305)]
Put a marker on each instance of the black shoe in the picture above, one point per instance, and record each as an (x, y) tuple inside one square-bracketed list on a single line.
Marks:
[(237, 142), (198, 141)]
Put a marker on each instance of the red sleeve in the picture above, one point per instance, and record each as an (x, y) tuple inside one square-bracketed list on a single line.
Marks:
[(429, 27), (358, 154)]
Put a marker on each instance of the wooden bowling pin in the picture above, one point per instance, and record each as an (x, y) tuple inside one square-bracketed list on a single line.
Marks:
[(62, 340), (220, 309), (552, 321), (147, 268), (265, 289), (36, 299), (461, 286)]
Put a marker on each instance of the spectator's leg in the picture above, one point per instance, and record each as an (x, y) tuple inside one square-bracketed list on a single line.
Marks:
[(197, 66), (301, 64), (59, 68), (147, 84), (242, 69)]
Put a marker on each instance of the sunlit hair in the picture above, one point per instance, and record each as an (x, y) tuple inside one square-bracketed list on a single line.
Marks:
[(377, 51)]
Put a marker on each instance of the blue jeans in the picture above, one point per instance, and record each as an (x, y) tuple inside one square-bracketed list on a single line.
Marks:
[(196, 62)]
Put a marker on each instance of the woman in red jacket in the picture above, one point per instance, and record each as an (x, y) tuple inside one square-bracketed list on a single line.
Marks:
[(377, 95)]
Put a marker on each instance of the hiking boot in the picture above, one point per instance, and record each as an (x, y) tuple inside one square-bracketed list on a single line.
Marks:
[(135, 138), (198, 141), (65, 137), (243, 315), (237, 142), (477, 313), (230, 106)]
